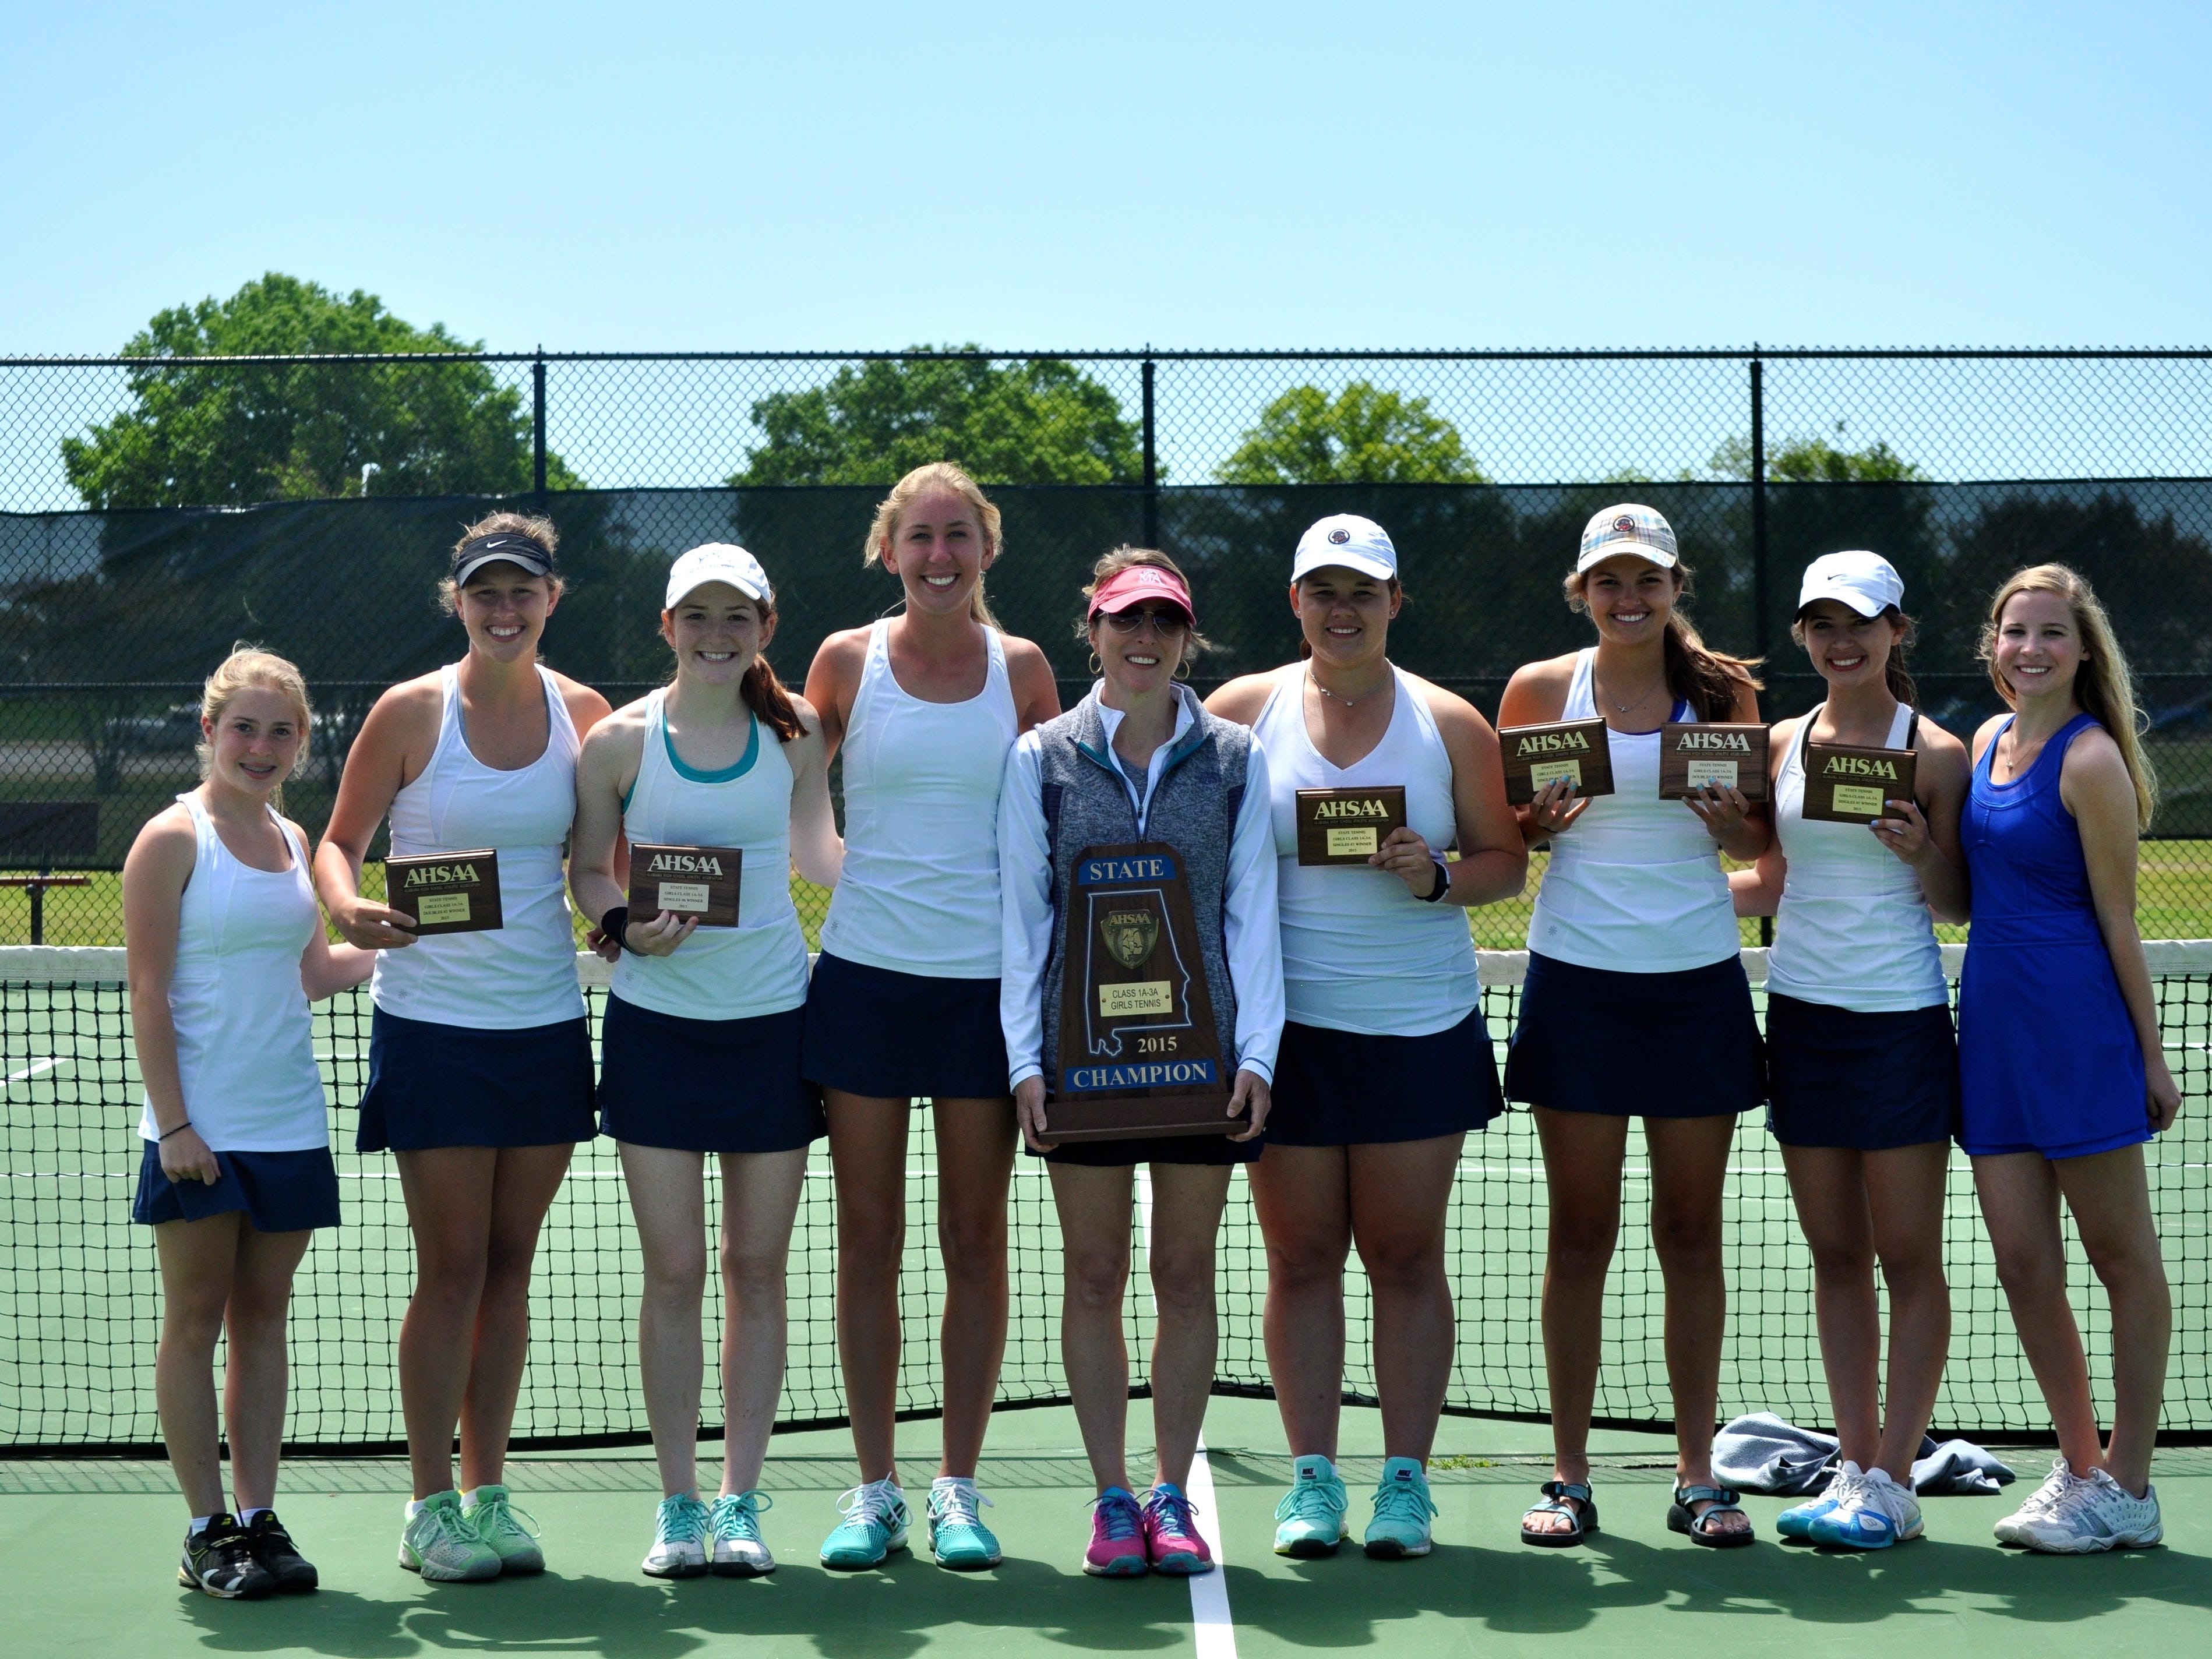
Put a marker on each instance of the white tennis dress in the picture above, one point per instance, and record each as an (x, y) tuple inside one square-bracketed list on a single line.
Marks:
[(245, 1053)]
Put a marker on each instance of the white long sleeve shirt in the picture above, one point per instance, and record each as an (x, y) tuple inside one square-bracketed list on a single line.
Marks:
[(1249, 928)]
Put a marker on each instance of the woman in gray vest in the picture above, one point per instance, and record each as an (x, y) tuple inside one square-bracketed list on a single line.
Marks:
[(1138, 760)]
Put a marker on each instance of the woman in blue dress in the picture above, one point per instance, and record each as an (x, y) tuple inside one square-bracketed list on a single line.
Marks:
[(2062, 1076)]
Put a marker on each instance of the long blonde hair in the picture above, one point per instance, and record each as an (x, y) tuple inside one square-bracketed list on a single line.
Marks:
[(938, 475), (2102, 686), (248, 667)]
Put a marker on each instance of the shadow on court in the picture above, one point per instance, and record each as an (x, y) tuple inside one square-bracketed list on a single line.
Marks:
[(1350, 1601), (890, 1613)]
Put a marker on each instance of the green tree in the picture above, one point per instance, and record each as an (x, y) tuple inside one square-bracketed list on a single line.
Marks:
[(1038, 420), (232, 433), (1362, 435), (1815, 460)]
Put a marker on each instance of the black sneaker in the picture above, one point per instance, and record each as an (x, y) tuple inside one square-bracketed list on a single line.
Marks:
[(273, 1548), (219, 1559)]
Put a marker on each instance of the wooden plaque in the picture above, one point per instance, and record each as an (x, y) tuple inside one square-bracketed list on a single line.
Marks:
[(1845, 784), (446, 892), (1347, 826), (1139, 1054), (1694, 753), (1536, 755), (685, 881)]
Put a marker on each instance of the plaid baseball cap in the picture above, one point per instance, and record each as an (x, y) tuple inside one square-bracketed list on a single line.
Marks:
[(1628, 528)]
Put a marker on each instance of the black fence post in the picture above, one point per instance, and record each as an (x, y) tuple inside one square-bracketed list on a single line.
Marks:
[(1151, 461), (538, 423), (1758, 538)]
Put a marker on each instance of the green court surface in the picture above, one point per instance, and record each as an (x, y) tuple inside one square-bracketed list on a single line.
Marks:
[(93, 1545)]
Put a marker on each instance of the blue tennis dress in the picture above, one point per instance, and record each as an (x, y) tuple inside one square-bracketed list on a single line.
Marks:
[(2048, 1058)]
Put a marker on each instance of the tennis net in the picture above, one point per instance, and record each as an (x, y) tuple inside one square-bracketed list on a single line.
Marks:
[(80, 1296)]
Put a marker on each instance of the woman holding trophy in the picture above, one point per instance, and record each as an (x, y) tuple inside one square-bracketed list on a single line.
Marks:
[(1143, 973), (1636, 1003), (1386, 1061)]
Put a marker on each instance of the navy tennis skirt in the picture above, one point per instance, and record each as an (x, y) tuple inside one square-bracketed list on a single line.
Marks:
[(1868, 1082), (278, 1191), (876, 1032), (705, 1085), (1354, 1088), (1681, 1044), (455, 1085)]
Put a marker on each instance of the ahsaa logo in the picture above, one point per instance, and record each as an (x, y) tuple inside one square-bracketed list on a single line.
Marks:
[(1693, 740), (441, 875), (685, 864), (1370, 808), (1858, 766), (1548, 743)]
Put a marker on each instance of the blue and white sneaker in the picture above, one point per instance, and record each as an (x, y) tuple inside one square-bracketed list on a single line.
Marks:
[(679, 1539), (1798, 1519), (736, 1548), (875, 1523), (1311, 1518), (957, 1536), (1879, 1513)]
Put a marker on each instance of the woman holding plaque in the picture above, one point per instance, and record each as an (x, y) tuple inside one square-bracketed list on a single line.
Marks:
[(904, 1003), (723, 768), (1140, 782), (1862, 1066), (1636, 1004), (1386, 1062), (226, 947), (479, 1061), (2061, 1073)]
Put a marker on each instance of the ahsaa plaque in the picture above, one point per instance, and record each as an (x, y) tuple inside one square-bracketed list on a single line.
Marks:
[(1845, 784), (1139, 1053), (1694, 754), (1347, 826), (685, 881), (1538, 756), (446, 892)]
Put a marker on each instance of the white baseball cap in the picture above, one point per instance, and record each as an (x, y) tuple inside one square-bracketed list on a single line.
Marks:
[(1628, 527), (1349, 540), (718, 562), (1865, 582)]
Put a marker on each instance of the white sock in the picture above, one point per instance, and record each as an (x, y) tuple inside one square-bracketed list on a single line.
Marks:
[(246, 1517), (414, 1506), (946, 1481), (200, 1524)]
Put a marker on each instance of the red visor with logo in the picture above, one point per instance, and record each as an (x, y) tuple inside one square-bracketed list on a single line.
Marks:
[(1129, 588)]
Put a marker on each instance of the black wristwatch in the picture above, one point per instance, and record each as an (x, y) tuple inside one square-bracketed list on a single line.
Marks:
[(616, 925), (1443, 884)]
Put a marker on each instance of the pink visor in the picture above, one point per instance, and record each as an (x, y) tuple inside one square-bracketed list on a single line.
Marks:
[(1139, 582)]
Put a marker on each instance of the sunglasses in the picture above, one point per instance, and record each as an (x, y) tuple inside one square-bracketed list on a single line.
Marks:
[(1165, 621)]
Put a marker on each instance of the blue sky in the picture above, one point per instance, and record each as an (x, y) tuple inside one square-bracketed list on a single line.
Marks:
[(1045, 175)]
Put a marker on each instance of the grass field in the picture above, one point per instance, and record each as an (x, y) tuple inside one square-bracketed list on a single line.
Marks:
[(2173, 900)]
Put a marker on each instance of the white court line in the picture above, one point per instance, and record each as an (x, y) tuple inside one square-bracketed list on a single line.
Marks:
[(37, 1066), (1212, 1631)]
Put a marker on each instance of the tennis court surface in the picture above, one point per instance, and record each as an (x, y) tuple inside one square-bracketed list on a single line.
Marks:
[(94, 1534)]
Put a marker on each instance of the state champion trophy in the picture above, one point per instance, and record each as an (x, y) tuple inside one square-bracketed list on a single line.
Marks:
[(446, 892), (1139, 1051), (685, 881)]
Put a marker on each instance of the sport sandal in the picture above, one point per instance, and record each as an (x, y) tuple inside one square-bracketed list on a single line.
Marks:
[(1561, 1497), (1680, 1517)]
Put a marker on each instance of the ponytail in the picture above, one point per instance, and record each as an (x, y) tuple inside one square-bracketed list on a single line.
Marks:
[(770, 701), (1896, 670)]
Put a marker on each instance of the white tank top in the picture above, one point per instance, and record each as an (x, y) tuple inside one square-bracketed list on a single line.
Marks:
[(245, 1051), (920, 890), (1853, 930), (1635, 886), (759, 966), (524, 973), (1361, 953)]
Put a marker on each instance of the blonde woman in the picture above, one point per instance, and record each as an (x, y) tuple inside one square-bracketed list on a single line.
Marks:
[(2062, 1076), (225, 949), (904, 1004)]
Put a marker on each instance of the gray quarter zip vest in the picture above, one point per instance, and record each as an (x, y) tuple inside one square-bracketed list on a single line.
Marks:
[(1193, 810)]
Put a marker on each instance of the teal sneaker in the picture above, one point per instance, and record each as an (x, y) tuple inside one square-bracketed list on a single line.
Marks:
[(875, 1524), (1402, 1510), (739, 1551), (679, 1539), (439, 1543), (1797, 1521), (957, 1536), (512, 1533), (1311, 1516)]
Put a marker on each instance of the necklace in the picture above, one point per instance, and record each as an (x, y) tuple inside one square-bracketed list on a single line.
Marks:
[(1349, 702), (1644, 697)]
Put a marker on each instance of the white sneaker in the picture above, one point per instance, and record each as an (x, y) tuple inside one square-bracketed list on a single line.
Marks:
[(2080, 1514), (1875, 1513), (679, 1539), (739, 1550)]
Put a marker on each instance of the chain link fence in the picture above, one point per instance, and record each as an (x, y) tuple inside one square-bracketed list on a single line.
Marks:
[(153, 511)]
